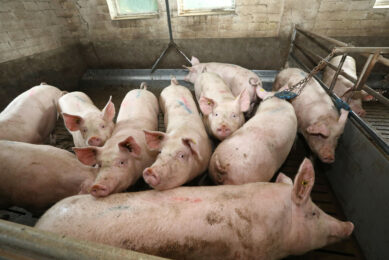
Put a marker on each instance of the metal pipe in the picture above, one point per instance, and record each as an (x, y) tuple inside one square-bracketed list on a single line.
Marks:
[(337, 72), (292, 39), (365, 87), (168, 20), (306, 55), (359, 121), (380, 50), (160, 57), (381, 59), (369, 65), (22, 240), (181, 52), (313, 39)]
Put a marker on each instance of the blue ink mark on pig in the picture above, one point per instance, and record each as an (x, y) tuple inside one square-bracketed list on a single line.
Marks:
[(80, 98), (184, 106), (138, 95)]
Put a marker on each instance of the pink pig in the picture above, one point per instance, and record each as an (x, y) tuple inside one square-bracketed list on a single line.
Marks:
[(124, 156), (318, 119), (35, 177), (343, 86), (185, 149), (251, 221), (31, 116), (222, 112), (87, 124), (236, 77), (258, 149)]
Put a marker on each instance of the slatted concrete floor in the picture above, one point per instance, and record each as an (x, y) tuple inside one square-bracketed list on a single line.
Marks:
[(377, 116)]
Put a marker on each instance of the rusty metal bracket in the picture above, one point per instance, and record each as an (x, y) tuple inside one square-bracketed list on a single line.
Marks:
[(369, 65), (171, 43), (337, 71)]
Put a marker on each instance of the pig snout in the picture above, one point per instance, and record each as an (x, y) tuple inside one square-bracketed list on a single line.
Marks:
[(151, 177), (95, 141), (223, 131), (340, 231), (99, 190)]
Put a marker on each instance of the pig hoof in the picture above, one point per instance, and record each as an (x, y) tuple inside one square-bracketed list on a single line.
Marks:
[(98, 190), (150, 177)]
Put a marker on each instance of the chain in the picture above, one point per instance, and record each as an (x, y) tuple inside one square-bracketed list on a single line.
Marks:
[(302, 83)]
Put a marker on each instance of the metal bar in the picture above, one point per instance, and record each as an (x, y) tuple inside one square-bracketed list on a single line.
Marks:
[(369, 65), (380, 50), (337, 72), (313, 39), (160, 57), (168, 20), (38, 244), (181, 52), (381, 59), (365, 87), (306, 55), (355, 118)]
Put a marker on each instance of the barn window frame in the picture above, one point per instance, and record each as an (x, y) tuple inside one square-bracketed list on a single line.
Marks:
[(227, 9), (115, 14), (381, 4)]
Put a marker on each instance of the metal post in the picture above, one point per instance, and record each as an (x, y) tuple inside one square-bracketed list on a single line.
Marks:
[(380, 50), (292, 39), (337, 72), (171, 43), (305, 55), (369, 65)]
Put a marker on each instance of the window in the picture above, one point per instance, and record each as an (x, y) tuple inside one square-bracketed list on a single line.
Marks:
[(205, 7), (381, 4), (132, 9)]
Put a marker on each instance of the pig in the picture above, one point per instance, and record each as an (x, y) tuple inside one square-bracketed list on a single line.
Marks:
[(258, 149), (124, 156), (317, 118), (343, 86), (236, 77), (222, 112), (35, 177), (88, 125), (250, 221), (185, 148), (31, 116)]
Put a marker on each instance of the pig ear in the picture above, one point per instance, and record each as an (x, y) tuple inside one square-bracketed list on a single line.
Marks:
[(109, 110), (261, 93), (154, 139), (206, 105), (303, 183), (130, 145), (194, 61), (243, 100), (343, 118), (318, 128), (282, 178), (174, 81), (86, 155), (72, 122), (192, 144)]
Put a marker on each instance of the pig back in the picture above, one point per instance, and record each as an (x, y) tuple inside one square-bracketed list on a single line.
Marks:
[(76, 103), (342, 84), (31, 116), (36, 176), (192, 222), (140, 105)]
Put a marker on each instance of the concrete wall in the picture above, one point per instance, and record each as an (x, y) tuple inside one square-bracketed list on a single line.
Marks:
[(138, 43)]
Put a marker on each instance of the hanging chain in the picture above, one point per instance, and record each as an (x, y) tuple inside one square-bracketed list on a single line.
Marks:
[(302, 83)]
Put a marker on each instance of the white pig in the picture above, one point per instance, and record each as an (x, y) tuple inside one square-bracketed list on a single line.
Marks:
[(88, 125), (31, 116), (258, 149), (236, 77), (317, 117), (124, 156), (251, 221), (222, 112), (185, 149), (343, 86), (35, 177)]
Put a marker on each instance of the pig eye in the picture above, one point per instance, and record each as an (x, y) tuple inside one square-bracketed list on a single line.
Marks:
[(216, 114), (102, 126), (121, 163), (233, 115), (84, 130), (313, 213)]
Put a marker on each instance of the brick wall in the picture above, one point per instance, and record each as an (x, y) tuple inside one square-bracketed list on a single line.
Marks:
[(30, 27)]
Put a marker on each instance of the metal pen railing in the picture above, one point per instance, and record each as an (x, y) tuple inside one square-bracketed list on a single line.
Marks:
[(373, 55)]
